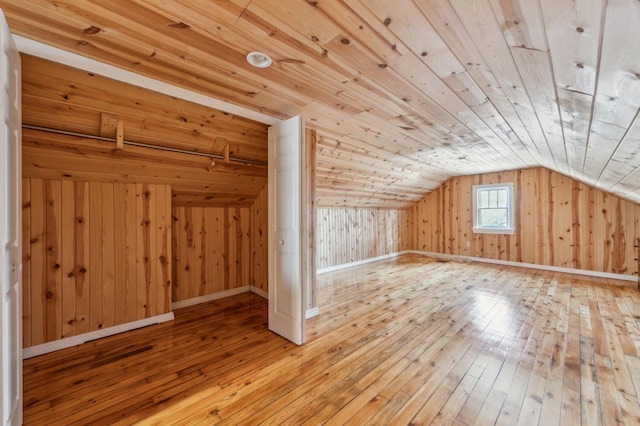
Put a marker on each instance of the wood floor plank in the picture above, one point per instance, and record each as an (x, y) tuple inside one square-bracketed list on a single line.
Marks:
[(590, 404), (405, 340)]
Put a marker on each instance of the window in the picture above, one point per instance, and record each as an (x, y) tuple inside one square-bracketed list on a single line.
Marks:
[(493, 209)]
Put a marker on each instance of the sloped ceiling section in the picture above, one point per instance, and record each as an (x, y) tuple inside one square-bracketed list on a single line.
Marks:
[(404, 94)]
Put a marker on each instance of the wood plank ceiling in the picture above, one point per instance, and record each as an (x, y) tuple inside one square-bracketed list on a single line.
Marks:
[(404, 94)]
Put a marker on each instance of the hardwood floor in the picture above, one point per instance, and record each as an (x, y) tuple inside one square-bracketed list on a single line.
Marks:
[(404, 341)]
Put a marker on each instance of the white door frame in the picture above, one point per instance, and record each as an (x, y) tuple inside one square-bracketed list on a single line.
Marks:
[(10, 229)]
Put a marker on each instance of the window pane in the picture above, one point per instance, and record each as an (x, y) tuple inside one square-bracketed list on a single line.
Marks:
[(483, 198), (495, 218), (493, 198), (502, 198)]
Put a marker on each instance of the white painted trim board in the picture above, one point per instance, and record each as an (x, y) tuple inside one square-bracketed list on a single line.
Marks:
[(209, 297), (446, 256), (359, 262), (68, 342)]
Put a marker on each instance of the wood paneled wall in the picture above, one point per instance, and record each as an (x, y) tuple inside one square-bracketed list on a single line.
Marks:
[(259, 242), (95, 255), (212, 250), (347, 235), (559, 222), (67, 99), (193, 179), (219, 248)]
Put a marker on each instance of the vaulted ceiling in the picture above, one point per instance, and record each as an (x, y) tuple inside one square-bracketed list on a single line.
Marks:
[(404, 94)]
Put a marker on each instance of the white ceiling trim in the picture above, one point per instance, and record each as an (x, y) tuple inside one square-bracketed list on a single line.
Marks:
[(54, 54)]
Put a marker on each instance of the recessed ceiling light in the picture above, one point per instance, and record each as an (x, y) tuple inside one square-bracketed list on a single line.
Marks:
[(259, 59)]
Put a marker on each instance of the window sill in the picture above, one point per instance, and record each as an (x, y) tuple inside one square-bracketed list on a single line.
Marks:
[(506, 231)]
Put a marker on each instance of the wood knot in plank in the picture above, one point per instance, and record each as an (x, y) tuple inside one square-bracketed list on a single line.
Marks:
[(92, 30), (180, 25), (292, 61)]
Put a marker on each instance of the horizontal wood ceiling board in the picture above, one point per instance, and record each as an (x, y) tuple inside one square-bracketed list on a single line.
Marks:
[(450, 87)]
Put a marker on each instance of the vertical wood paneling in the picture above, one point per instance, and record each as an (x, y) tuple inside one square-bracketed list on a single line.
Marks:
[(83, 253), (231, 248), (53, 286), (68, 260), (142, 258), (217, 224), (259, 261), (26, 261), (95, 256), (218, 248), (560, 222), (346, 235), (38, 268), (245, 246), (163, 210), (131, 227), (82, 257), (108, 252), (120, 261)]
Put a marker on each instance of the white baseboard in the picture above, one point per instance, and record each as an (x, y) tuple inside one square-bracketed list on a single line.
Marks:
[(597, 274), (359, 262), (209, 297), (67, 342), (312, 312), (462, 258), (260, 292)]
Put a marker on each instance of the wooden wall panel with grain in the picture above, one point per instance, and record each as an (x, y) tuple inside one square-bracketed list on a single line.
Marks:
[(58, 96), (26, 261), (346, 235), (259, 255), (214, 249), (559, 222), (193, 179), (83, 243)]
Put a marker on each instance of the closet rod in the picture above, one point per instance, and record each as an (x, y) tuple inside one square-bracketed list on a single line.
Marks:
[(142, 145)]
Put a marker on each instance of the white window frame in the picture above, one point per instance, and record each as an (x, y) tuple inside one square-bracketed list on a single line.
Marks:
[(510, 229)]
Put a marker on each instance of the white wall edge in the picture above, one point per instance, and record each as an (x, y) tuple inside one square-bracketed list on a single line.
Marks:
[(585, 272), (68, 342), (41, 50), (312, 312), (359, 262), (260, 292), (209, 297)]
